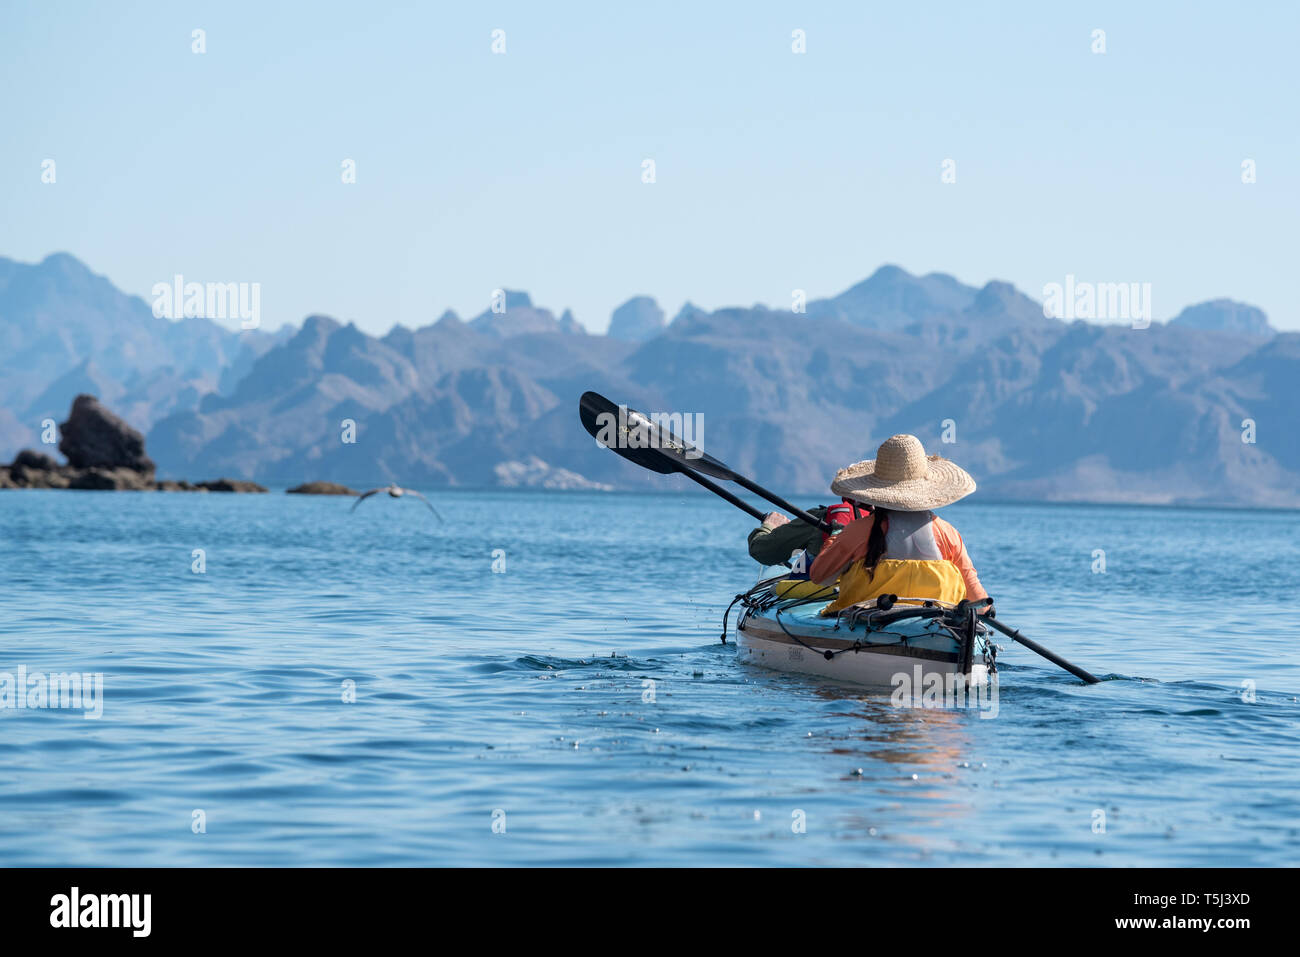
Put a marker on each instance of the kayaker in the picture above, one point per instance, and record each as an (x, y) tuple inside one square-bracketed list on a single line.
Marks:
[(778, 538), (902, 548)]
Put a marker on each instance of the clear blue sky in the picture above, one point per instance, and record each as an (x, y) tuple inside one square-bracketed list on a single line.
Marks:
[(775, 171)]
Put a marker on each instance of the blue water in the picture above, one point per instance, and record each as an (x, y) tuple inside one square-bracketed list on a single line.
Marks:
[(519, 696)]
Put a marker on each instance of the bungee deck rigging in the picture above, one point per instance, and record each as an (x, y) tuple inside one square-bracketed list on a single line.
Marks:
[(782, 623)]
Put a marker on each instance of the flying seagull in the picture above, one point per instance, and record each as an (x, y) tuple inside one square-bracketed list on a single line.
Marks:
[(395, 491)]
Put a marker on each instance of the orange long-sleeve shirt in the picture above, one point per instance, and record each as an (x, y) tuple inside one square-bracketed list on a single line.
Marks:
[(850, 546)]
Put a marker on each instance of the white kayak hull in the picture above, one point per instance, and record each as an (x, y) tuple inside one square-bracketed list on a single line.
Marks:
[(800, 645)]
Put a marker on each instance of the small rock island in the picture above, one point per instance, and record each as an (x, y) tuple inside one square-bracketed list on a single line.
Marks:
[(103, 453), (321, 488)]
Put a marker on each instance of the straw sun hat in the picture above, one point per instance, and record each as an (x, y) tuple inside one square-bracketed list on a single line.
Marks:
[(903, 478)]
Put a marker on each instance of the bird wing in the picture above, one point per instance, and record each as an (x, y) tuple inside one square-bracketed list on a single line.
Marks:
[(362, 497), (411, 491)]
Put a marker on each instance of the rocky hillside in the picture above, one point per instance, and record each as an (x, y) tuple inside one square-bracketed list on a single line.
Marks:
[(66, 331), (1038, 408)]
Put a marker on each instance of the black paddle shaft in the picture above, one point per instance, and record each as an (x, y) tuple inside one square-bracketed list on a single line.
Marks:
[(722, 493), (1039, 649), (779, 502)]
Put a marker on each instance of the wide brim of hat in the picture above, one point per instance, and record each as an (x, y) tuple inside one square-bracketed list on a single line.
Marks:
[(944, 483)]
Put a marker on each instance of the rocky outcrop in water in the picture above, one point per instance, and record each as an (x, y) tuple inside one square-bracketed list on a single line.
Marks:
[(322, 488), (95, 438), (229, 485), (104, 454), (36, 470)]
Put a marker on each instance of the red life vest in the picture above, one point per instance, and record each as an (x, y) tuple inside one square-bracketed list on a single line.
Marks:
[(842, 513)]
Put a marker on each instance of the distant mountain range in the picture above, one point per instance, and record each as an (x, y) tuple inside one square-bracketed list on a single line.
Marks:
[(1040, 409)]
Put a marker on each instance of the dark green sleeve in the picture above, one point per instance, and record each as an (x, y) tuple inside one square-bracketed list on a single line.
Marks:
[(774, 546)]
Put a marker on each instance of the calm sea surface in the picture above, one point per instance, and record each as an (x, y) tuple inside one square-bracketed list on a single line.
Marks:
[(580, 699)]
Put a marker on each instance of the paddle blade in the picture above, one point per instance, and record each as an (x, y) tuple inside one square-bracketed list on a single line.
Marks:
[(601, 419), (649, 435)]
